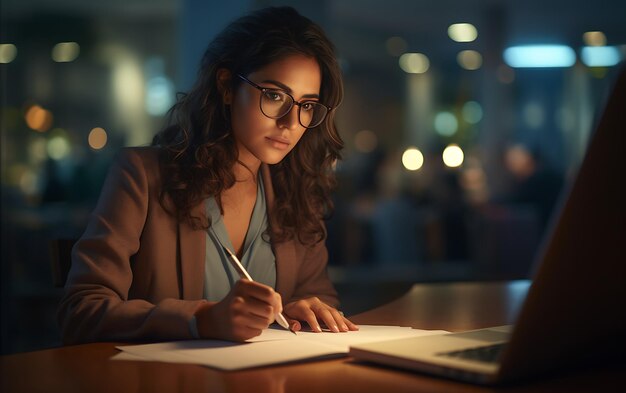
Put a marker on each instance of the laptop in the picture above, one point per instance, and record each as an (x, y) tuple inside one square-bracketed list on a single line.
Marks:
[(574, 314)]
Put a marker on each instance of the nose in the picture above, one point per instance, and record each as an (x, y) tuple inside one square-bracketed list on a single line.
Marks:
[(290, 120)]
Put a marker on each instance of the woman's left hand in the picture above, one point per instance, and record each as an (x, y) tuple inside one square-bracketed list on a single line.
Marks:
[(313, 310)]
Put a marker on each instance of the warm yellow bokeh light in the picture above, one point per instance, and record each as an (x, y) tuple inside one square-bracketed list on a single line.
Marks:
[(38, 118), (97, 138), (470, 59), (462, 32), (37, 152), (8, 53), (412, 159), (414, 63), (64, 52), (453, 156), (594, 38), (28, 182)]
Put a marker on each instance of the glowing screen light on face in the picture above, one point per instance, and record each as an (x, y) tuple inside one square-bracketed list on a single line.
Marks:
[(539, 56)]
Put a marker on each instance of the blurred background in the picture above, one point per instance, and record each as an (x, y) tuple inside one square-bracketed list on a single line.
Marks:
[(463, 121)]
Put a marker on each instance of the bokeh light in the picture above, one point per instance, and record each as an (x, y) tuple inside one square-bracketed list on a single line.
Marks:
[(470, 59), (29, 182), (97, 138), (37, 152), (414, 63), (600, 56), (472, 112), (540, 56), (38, 118), (534, 115), (65, 52), (159, 95), (462, 32), (8, 53), (446, 123), (58, 145), (453, 156), (594, 38), (412, 159)]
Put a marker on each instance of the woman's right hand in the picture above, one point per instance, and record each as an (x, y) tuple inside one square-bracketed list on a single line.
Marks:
[(248, 308)]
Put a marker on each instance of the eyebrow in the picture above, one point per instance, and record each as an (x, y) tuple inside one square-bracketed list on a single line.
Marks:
[(288, 89)]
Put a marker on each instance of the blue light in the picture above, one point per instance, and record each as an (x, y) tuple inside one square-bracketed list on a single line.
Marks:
[(539, 56), (600, 56)]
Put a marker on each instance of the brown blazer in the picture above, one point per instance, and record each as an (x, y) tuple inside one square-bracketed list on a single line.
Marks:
[(138, 273)]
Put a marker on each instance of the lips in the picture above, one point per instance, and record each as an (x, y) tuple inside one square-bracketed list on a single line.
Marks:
[(278, 142)]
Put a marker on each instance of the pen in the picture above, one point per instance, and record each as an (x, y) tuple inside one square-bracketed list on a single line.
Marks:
[(244, 274)]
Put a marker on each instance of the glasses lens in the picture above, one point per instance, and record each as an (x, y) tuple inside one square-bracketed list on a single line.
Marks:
[(275, 103), (312, 114)]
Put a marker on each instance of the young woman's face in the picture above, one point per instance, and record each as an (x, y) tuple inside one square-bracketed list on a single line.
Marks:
[(258, 137)]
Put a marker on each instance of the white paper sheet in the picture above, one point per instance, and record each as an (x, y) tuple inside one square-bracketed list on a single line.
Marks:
[(271, 347)]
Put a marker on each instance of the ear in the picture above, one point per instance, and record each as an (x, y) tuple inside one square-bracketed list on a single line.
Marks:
[(223, 77)]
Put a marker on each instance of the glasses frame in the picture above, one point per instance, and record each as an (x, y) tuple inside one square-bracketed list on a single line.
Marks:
[(263, 90)]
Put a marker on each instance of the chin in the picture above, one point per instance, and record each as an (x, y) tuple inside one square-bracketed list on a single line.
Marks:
[(272, 157), (273, 160)]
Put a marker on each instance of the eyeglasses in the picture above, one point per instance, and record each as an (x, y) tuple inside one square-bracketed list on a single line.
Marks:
[(276, 103)]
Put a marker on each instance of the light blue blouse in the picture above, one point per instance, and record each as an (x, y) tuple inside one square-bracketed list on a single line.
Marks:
[(258, 257)]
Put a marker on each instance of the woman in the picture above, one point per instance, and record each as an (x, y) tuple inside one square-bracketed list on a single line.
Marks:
[(246, 165)]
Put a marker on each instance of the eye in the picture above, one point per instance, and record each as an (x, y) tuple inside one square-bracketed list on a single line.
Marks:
[(308, 106), (274, 95)]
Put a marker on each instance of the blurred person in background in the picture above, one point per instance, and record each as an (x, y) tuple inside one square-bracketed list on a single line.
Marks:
[(534, 183)]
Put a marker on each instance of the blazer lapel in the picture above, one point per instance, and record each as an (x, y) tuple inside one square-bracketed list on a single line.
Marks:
[(192, 251)]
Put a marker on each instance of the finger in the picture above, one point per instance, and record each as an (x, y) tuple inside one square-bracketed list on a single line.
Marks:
[(311, 319), (260, 292), (250, 320), (278, 302), (256, 322), (243, 322), (259, 309), (339, 320), (351, 326), (327, 317), (255, 287), (294, 324)]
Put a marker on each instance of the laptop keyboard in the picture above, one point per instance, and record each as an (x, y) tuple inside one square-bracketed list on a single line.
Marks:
[(486, 354)]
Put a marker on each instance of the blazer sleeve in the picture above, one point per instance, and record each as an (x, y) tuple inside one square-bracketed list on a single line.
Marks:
[(96, 304), (312, 276)]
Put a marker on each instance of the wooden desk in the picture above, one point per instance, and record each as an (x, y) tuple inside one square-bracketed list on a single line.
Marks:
[(461, 306)]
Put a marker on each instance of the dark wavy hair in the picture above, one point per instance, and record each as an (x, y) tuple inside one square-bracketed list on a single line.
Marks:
[(198, 147)]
